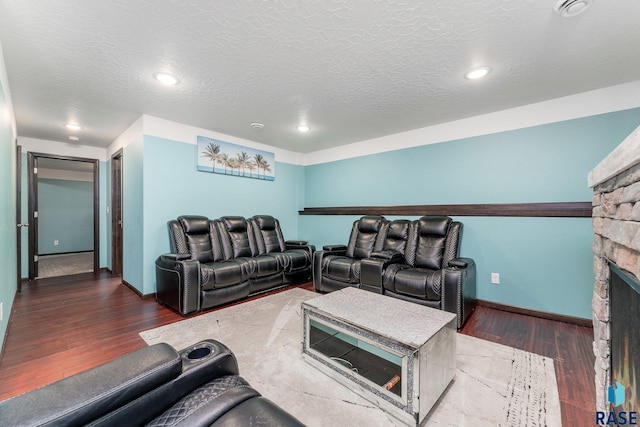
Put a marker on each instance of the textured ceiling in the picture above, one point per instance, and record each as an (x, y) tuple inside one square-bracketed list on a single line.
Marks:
[(352, 69)]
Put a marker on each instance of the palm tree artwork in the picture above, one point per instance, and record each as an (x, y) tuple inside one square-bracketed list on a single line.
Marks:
[(259, 159), (224, 161), (251, 165), (212, 152), (242, 159), (231, 159)]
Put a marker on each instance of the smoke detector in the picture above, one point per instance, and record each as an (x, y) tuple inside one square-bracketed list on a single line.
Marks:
[(569, 8)]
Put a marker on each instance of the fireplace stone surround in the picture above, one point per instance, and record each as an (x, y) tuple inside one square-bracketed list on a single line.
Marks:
[(616, 226)]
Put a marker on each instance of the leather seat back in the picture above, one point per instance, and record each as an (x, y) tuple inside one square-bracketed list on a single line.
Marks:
[(365, 237), (426, 248), (396, 235), (235, 237), (268, 234), (193, 237)]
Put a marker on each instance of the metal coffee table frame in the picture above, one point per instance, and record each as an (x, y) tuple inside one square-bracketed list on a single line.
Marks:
[(377, 325)]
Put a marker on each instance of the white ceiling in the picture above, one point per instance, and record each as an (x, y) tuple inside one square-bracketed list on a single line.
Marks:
[(352, 69)]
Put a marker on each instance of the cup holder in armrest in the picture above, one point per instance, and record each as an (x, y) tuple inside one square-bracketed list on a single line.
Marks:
[(197, 353)]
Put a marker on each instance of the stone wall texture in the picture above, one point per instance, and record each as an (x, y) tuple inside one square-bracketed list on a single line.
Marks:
[(616, 227)]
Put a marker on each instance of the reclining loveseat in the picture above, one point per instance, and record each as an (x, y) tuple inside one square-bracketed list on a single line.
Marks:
[(214, 262), (154, 386), (416, 261)]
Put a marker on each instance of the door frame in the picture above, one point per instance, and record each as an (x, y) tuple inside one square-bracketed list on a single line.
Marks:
[(19, 223), (32, 173), (116, 214)]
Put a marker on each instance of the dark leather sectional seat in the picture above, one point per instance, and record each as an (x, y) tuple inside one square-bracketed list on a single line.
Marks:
[(154, 386), (417, 261), (339, 265), (214, 262)]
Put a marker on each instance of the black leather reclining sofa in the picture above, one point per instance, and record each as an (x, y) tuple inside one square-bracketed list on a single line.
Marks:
[(154, 386), (416, 261), (214, 262)]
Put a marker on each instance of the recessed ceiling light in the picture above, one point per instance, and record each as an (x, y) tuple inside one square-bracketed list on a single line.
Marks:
[(303, 128), (166, 79), (74, 138), (73, 126), (256, 125), (477, 73), (569, 8)]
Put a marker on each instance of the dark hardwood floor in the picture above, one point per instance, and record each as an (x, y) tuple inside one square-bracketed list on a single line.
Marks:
[(61, 326)]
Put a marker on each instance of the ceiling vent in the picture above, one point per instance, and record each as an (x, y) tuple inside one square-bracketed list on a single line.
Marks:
[(569, 8)]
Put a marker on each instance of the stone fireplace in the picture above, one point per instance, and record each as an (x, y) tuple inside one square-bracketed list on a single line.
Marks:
[(616, 225)]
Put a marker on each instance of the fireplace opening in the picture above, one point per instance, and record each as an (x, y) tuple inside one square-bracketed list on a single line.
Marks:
[(624, 306)]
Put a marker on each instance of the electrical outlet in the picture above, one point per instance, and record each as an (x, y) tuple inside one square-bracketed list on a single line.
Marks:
[(495, 278), (56, 243)]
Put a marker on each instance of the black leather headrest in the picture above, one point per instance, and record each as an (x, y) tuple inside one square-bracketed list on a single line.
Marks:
[(265, 222), (234, 223), (370, 223), (398, 229), (194, 224), (435, 225)]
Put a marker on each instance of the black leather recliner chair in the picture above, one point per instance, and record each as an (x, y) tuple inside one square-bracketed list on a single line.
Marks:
[(394, 241), (432, 273), (338, 266), (154, 386), (293, 255), (417, 261), (214, 262)]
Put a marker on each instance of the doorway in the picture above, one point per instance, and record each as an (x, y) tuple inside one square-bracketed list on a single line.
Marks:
[(63, 206)]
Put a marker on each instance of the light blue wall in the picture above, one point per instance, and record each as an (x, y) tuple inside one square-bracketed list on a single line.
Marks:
[(172, 186), (65, 214), (8, 248), (545, 264), (132, 213)]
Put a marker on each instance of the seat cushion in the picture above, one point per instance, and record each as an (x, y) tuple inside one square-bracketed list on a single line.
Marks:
[(258, 411), (215, 275), (420, 283), (297, 259), (266, 265), (204, 405), (341, 268)]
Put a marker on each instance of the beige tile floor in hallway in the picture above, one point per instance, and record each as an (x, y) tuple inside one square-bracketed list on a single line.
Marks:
[(64, 264)]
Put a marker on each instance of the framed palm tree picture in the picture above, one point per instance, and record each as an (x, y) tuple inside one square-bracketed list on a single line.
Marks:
[(232, 159)]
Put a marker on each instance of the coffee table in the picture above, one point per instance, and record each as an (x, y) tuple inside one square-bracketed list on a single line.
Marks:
[(396, 354)]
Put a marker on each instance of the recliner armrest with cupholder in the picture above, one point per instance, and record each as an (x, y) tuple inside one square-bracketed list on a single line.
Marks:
[(156, 385)]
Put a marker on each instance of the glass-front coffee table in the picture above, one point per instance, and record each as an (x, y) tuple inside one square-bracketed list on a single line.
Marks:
[(397, 354)]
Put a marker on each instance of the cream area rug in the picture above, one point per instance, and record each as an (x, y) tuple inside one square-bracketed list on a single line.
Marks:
[(494, 385)]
